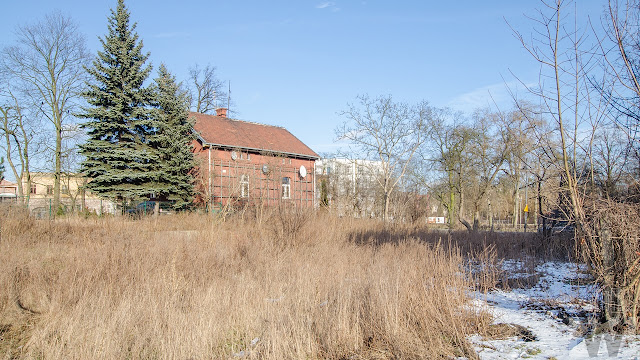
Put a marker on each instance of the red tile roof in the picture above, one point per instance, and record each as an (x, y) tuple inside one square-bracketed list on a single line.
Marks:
[(224, 132)]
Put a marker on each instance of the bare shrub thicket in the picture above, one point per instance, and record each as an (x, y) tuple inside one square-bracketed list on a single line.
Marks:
[(507, 245), (288, 224), (483, 252), (186, 287), (611, 247)]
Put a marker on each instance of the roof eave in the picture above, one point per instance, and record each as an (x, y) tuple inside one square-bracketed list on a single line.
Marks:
[(289, 154)]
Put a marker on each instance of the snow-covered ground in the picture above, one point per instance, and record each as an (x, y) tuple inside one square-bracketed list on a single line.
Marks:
[(556, 312)]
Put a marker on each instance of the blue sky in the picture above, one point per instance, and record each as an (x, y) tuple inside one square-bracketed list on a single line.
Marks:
[(298, 63)]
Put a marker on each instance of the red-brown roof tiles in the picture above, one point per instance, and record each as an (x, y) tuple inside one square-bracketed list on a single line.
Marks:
[(225, 132)]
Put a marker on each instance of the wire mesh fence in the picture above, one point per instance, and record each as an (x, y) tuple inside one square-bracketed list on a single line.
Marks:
[(44, 207)]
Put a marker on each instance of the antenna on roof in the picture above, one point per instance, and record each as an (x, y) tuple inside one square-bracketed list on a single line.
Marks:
[(229, 97)]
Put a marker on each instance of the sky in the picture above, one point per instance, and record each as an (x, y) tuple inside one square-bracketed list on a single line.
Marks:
[(298, 63)]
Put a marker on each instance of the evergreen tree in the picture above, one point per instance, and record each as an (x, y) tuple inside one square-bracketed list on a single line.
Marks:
[(118, 157), (1, 168), (172, 140)]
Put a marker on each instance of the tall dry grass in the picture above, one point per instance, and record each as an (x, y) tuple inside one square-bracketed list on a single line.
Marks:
[(191, 287)]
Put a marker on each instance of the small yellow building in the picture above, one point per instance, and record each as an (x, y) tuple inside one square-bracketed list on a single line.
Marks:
[(73, 195)]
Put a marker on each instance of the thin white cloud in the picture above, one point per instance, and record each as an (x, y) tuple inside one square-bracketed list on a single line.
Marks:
[(328, 5), (499, 94), (325, 5)]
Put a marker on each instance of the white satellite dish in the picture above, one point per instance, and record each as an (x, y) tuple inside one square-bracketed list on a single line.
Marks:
[(234, 155), (303, 171)]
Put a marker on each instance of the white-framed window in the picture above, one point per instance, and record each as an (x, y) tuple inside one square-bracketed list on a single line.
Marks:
[(286, 188), (244, 186)]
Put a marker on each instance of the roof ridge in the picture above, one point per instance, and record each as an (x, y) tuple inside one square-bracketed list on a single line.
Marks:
[(254, 123)]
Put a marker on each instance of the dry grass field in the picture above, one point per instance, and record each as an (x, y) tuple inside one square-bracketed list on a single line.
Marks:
[(275, 286)]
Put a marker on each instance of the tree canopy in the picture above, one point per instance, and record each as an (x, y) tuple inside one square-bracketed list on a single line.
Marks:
[(139, 136), (172, 138), (119, 158)]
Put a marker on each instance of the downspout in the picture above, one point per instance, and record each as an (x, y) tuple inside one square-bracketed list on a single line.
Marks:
[(209, 190)]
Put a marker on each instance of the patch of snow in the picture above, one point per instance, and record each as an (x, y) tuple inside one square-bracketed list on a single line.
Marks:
[(555, 311)]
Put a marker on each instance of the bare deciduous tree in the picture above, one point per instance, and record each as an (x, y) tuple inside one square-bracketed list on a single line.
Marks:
[(620, 50), (609, 244), (449, 140), (612, 245), (556, 48), (18, 134), (386, 131), (48, 61), (206, 92), (490, 143), (610, 159)]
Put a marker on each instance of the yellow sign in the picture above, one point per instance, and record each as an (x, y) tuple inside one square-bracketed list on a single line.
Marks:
[(526, 208)]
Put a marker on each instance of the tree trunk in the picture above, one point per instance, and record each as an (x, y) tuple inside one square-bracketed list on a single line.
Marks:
[(466, 224), (476, 220), (385, 216), (83, 193), (490, 216), (516, 212), (452, 200), (452, 208), (58, 170), (545, 232), (474, 226)]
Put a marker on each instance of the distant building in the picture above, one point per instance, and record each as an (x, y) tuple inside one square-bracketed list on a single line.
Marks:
[(245, 163), (73, 195), (8, 191), (352, 186)]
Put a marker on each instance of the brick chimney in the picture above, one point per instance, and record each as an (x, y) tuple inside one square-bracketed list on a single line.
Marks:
[(221, 112)]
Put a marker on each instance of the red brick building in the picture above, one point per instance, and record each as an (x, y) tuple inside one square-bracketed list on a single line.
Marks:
[(249, 163)]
